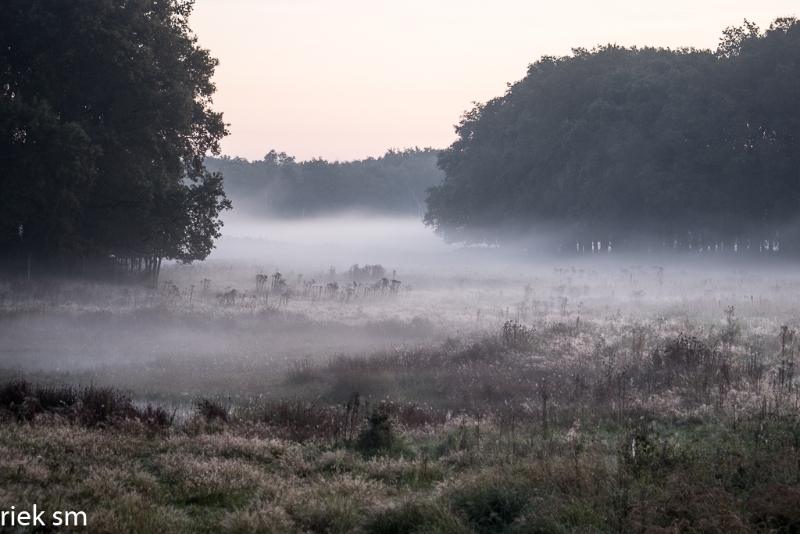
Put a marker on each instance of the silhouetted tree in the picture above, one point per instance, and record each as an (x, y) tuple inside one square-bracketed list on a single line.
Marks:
[(105, 121), (686, 145)]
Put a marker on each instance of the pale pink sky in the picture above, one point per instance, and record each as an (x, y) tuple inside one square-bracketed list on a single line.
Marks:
[(349, 79)]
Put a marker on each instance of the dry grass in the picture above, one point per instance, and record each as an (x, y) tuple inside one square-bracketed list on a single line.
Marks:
[(589, 402), (683, 438), (460, 476)]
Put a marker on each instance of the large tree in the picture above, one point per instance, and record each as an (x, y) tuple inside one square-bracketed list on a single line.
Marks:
[(105, 121), (621, 144)]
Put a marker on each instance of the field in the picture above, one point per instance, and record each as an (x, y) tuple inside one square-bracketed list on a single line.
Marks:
[(589, 394)]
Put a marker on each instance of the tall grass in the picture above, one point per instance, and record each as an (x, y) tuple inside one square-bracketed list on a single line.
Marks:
[(636, 401)]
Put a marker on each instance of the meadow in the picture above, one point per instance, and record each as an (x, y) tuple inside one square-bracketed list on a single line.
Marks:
[(566, 394)]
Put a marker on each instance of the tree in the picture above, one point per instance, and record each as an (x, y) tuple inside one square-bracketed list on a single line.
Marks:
[(105, 121), (280, 186), (626, 144)]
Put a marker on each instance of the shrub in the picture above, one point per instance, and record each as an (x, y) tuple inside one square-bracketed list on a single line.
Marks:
[(14, 392), (210, 410), (705, 510), (90, 406), (301, 421), (517, 336), (57, 397), (379, 434), (492, 503), (156, 417), (98, 406), (775, 507), (411, 415), (301, 373), (17, 398)]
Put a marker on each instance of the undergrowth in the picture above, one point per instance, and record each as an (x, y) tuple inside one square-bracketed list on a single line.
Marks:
[(687, 437)]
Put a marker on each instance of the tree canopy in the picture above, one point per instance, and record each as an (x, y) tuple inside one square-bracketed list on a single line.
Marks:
[(279, 186), (105, 121), (684, 146)]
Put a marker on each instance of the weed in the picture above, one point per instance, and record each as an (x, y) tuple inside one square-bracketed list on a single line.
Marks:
[(492, 502), (90, 406), (210, 409), (379, 434), (517, 336), (301, 421)]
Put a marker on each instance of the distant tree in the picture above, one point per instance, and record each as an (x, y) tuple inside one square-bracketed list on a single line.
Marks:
[(280, 186), (625, 143), (105, 122)]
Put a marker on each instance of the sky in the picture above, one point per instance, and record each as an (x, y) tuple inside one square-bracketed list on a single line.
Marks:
[(350, 79)]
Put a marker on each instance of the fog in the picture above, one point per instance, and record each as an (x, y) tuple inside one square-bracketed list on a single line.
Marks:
[(405, 244), (322, 242), (210, 329)]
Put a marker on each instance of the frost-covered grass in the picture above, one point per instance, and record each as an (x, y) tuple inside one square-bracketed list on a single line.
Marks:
[(248, 471), (185, 338), (514, 400)]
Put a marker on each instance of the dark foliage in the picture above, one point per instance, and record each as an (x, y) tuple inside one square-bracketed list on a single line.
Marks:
[(668, 149), (302, 421), (211, 409), (14, 392), (494, 503), (105, 121), (379, 433), (156, 417), (411, 415), (89, 406), (687, 353), (517, 336), (775, 507)]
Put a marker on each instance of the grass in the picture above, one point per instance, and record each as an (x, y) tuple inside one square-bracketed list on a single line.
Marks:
[(580, 409), (684, 439), (90, 406), (460, 476)]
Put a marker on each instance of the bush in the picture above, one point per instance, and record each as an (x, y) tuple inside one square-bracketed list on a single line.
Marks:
[(301, 421), (14, 392), (379, 434), (57, 398), (156, 417), (98, 406), (517, 336), (492, 503), (775, 507), (91, 406), (301, 373), (210, 410), (411, 415)]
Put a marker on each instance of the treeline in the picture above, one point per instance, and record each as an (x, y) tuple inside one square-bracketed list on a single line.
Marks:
[(662, 148), (279, 186)]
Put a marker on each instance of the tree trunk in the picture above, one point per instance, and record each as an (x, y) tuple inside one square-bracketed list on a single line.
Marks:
[(156, 269)]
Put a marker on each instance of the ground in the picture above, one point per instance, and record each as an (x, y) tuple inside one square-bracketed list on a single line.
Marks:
[(561, 396)]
